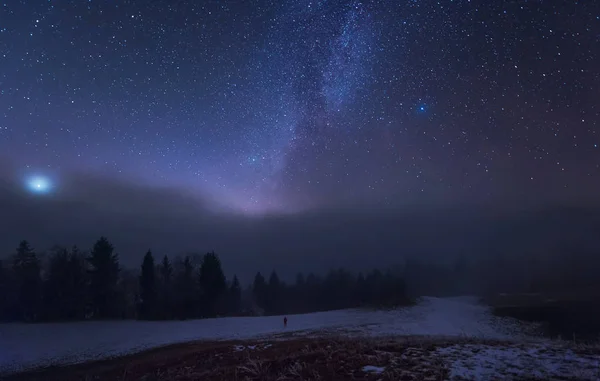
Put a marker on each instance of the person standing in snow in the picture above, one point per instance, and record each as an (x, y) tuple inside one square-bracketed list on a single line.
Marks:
[(285, 322)]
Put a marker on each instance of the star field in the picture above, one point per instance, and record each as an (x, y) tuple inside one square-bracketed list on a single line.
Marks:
[(280, 106)]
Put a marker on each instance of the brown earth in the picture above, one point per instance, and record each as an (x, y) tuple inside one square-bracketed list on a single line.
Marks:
[(300, 359), (325, 358)]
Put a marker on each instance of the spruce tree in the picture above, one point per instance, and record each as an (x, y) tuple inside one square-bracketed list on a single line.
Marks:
[(212, 285), (166, 270), (26, 269), (361, 290), (186, 290), (166, 288), (259, 290), (148, 288), (77, 285), (56, 286), (104, 277), (235, 295)]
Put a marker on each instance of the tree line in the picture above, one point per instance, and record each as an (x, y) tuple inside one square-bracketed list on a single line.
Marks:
[(68, 285)]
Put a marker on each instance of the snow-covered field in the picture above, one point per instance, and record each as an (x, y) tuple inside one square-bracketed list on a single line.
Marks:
[(25, 346)]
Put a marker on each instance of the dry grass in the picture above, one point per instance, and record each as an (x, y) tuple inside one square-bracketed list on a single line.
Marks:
[(279, 360), (329, 358)]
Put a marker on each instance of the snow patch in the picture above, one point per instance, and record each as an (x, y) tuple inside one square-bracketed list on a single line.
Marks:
[(373, 369), (240, 348), (483, 362)]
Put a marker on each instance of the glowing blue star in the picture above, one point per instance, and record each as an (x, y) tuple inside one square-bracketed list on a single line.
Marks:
[(39, 184)]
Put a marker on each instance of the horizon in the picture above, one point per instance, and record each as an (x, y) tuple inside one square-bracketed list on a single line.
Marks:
[(170, 223)]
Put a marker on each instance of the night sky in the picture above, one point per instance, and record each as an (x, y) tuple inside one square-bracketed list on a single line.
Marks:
[(289, 107)]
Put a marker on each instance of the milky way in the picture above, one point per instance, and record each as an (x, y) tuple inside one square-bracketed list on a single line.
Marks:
[(282, 106)]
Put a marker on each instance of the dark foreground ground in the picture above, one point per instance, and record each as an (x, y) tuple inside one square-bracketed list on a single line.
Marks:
[(407, 358), (304, 359)]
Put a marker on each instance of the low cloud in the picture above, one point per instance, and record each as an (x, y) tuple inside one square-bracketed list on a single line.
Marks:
[(137, 218)]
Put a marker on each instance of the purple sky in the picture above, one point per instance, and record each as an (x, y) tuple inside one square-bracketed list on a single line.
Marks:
[(293, 107), (286, 106)]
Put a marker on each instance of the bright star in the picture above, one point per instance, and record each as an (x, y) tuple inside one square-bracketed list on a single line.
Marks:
[(39, 184)]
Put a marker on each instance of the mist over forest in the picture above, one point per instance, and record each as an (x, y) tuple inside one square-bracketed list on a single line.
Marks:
[(137, 218)]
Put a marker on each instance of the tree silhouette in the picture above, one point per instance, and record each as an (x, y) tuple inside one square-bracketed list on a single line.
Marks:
[(166, 288), (274, 291), (26, 269), (361, 289), (148, 288), (126, 305), (56, 286), (259, 290), (65, 287), (104, 276), (79, 287), (186, 290), (235, 296), (77, 284), (212, 285)]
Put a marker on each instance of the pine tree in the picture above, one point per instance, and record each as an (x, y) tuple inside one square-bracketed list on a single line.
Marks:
[(26, 269), (235, 294), (56, 287), (166, 288), (126, 305), (104, 277), (77, 285), (65, 287), (212, 285), (148, 288), (166, 270), (361, 290), (186, 290), (259, 290)]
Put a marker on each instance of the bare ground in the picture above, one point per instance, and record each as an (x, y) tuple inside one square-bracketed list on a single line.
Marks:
[(303, 358)]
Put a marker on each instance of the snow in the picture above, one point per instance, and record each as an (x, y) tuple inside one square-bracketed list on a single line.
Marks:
[(29, 345), (373, 369), (548, 361), (241, 348)]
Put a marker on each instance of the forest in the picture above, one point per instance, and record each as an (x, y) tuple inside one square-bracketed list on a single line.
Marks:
[(69, 284)]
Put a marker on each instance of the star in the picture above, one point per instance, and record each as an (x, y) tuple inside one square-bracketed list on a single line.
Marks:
[(39, 184), (321, 99)]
